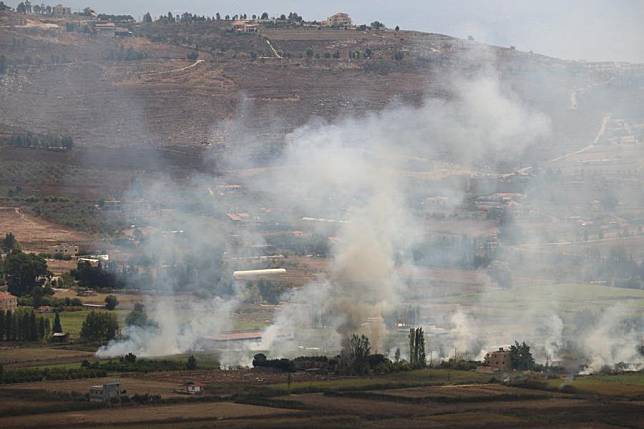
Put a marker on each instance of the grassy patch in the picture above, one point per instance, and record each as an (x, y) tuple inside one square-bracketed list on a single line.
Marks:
[(72, 321), (414, 378), (627, 384)]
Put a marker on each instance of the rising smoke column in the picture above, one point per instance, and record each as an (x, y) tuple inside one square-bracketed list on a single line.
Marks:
[(354, 169)]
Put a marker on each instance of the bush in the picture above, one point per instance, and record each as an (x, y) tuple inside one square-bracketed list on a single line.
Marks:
[(260, 361)]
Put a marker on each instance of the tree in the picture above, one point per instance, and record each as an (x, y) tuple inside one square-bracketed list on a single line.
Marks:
[(397, 29), (417, 357), (147, 18), (191, 364), (309, 52), (21, 8), (192, 56), (377, 25), (22, 271), (354, 357), (521, 357), (138, 317), (3, 64), (3, 7), (99, 327), (111, 302), (58, 328), (9, 243), (218, 16)]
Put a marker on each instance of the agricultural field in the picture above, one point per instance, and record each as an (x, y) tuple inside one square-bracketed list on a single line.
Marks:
[(150, 415), (72, 321), (21, 357), (132, 385), (629, 385), (34, 233)]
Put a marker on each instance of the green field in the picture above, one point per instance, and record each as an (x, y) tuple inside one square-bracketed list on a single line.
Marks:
[(419, 377), (570, 296), (72, 321), (627, 384)]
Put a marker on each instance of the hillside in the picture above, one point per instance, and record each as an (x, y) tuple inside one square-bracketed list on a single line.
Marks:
[(144, 92)]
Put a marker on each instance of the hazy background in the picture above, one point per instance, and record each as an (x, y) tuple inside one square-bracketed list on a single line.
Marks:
[(594, 30)]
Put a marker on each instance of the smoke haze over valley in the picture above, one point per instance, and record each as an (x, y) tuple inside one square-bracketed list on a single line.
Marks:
[(328, 197)]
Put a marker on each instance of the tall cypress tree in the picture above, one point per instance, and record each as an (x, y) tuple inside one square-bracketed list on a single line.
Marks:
[(2, 325), (41, 328), (33, 327), (417, 358), (58, 328), (8, 328), (14, 327)]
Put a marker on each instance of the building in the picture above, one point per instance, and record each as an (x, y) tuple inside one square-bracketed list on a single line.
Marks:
[(243, 26), (107, 29), (8, 302), (191, 388), (64, 249), (60, 10), (122, 32), (497, 361), (340, 19), (106, 392)]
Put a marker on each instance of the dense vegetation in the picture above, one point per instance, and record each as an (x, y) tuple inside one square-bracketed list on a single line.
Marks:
[(23, 272), (130, 363), (23, 325), (99, 327), (40, 141)]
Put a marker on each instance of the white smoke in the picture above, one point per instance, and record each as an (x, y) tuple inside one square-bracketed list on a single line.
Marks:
[(614, 339)]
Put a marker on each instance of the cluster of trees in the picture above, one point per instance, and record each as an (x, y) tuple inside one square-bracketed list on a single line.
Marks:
[(97, 277), (130, 363), (139, 318), (521, 357), (187, 18), (26, 7), (99, 327), (260, 361), (355, 358), (316, 244), (264, 291), (23, 326), (23, 273), (40, 141)]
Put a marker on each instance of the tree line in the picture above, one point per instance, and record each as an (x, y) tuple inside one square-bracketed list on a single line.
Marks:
[(23, 326), (355, 358), (40, 141)]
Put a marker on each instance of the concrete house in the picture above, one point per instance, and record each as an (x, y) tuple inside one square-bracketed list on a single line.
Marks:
[(106, 392), (498, 360)]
